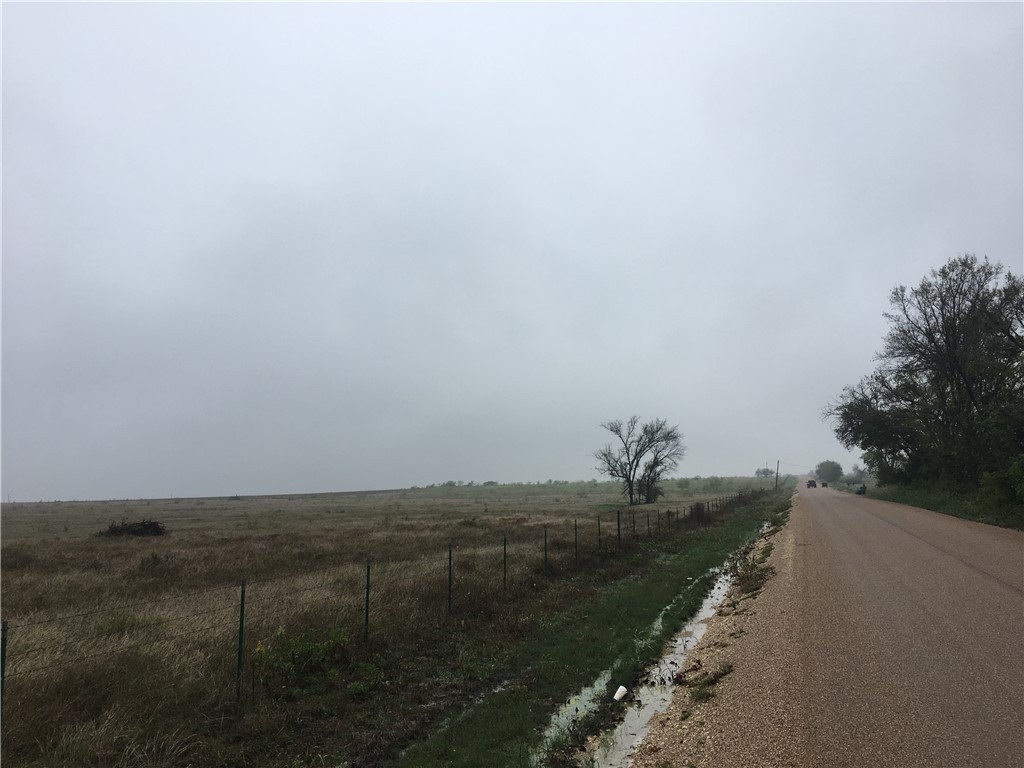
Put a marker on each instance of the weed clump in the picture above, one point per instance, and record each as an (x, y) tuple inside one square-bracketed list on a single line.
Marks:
[(137, 528), (702, 686), (286, 664), (779, 515), (750, 575)]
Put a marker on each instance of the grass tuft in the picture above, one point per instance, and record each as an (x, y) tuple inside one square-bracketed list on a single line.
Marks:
[(702, 686)]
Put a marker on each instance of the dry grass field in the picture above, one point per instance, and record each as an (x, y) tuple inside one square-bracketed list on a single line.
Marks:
[(122, 650)]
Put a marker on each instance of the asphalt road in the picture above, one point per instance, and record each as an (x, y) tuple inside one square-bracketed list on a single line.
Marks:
[(911, 638), (889, 636)]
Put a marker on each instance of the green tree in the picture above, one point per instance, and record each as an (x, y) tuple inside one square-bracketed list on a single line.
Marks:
[(947, 399), (829, 471), (856, 475), (641, 457)]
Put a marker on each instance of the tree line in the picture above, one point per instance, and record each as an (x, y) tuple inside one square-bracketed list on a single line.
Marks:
[(945, 404)]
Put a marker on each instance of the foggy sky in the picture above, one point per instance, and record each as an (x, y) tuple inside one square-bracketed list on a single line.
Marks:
[(271, 248)]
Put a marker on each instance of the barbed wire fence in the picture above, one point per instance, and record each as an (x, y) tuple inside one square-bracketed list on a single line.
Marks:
[(226, 620)]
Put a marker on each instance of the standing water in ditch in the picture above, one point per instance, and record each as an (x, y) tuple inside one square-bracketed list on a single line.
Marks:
[(614, 747)]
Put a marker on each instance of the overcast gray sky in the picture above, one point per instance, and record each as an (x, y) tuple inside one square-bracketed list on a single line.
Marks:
[(308, 247)]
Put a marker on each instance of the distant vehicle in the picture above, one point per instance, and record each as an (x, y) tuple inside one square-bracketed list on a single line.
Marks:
[(811, 484), (862, 490), (824, 484)]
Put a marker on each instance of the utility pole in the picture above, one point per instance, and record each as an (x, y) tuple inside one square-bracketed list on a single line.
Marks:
[(776, 474)]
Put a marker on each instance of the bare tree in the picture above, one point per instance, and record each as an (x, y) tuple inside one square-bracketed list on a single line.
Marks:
[(645, 453)]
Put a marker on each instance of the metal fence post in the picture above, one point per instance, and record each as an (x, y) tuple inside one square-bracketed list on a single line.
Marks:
[(241, 641), (3, 666), (366, 617)]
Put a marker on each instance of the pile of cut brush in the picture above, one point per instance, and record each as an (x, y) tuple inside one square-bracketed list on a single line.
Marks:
[(137, 528)]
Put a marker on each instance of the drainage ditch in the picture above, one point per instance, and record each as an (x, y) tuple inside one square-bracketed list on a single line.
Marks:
[(614, 747)]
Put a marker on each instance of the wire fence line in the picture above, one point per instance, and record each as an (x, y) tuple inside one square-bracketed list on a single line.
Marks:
[(22, 663)]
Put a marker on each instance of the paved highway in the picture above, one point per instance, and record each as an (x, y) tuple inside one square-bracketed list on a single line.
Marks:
[(912, 638), (890, 636)]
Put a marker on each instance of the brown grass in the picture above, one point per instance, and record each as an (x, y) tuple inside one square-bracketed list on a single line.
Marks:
[(122, 650)]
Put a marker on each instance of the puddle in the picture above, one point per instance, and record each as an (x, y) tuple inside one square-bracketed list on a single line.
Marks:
[(614, 748)]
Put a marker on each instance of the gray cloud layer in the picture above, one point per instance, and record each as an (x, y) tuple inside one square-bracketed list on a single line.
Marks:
[(272, 248)]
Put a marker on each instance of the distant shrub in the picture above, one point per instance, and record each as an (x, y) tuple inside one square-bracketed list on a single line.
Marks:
[(713, 484), (138, 528)]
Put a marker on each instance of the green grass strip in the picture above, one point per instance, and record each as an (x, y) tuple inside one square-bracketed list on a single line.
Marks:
[(505, 728)]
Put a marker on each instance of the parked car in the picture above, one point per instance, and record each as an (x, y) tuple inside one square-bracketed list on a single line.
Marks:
[(862, 490)]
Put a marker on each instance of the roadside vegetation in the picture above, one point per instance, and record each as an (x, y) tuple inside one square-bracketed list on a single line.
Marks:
[(123, 649), (970, 505), (941, 419), (702, 685)]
